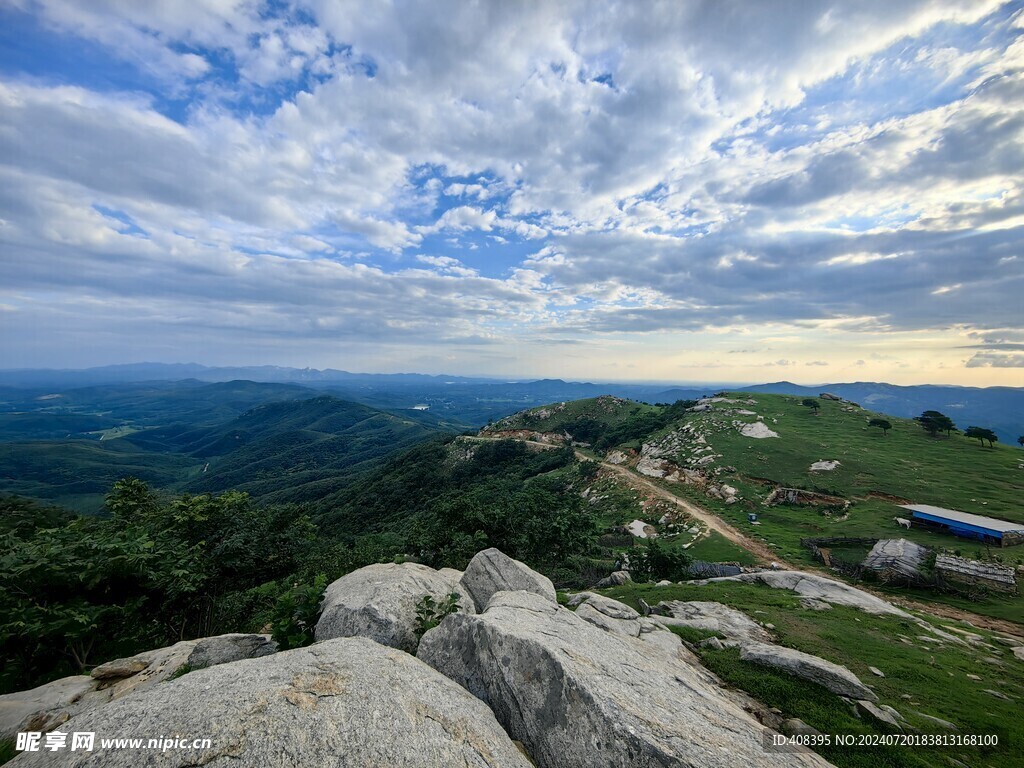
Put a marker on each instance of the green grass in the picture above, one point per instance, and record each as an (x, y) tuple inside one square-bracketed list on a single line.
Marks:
[(715, 548), (608, 411), (953, 472), (934, 677), (907, 463)]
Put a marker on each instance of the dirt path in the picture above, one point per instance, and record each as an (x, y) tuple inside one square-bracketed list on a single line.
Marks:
[(766, 555), (761, 551)]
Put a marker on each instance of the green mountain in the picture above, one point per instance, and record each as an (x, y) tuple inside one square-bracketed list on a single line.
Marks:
[(290, 450)]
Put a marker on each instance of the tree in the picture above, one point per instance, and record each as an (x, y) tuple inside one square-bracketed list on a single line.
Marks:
[(982, 434), (812, 403), (882, 424), (1020, 441), (934, 422)]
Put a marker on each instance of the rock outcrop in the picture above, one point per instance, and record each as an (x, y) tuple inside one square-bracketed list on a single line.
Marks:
[(493, 571), (575, 695), (379, 602), (817, 587), (345, 702), (734, 625), (834, 677), (46, 707)]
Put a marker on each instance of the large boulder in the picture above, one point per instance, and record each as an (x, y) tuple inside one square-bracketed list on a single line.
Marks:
[(48, 706), (575, 695), (380, 601), (28, 710), (834, 677), (817, 587), (734, 625), (346, 702), (493, 571)]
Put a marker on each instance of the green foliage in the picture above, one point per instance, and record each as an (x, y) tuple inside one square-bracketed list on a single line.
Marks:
[(694, 635), (656, 562), (925, 672), (812, 403), (23, 517), (934, 422), (982, 434), (431, 612), (882, 424), (152, 573), (181, 671), (297, 612)]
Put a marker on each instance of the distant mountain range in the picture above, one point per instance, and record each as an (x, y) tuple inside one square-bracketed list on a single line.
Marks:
[(461, 401)]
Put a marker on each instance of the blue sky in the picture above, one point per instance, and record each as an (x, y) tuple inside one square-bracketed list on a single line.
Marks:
[(675, 191)]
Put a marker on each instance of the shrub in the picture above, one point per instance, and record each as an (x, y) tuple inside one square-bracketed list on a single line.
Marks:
[(296, 614), (430, 612)]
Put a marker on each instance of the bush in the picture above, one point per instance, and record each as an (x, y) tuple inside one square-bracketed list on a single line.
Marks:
[(296, 614), (430, 612), (657, 561)]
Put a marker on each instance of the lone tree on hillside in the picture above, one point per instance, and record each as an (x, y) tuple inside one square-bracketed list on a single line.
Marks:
[(812, 403), (882, 424), (934, 422), (1020, 441), (982, 435)]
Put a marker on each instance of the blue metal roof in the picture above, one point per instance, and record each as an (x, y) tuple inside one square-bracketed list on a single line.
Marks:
[(964, 520)]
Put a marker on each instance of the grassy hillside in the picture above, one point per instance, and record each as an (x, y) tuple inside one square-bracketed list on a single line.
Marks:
[(602, 421), (919, 676), (876, 470)]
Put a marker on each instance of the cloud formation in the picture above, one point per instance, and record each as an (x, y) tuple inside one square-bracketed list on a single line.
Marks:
[(326, 182)]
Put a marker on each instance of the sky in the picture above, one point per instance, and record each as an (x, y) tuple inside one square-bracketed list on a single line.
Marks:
[(680, 191)]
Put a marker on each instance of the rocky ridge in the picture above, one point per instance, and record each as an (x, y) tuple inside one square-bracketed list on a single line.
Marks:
[(600, 686)]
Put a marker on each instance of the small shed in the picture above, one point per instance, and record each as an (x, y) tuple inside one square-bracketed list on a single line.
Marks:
[(991, 530), (896, 559), (959, 570)]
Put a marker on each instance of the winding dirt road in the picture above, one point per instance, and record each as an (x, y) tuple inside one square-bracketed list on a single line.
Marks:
[(766, 555)]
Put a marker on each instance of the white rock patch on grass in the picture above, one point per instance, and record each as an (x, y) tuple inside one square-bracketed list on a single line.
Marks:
[(824, 466), (757, 430), (639, 529)]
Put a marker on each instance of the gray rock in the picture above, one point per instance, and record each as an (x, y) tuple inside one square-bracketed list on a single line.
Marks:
[(211, 651), (1018, 651), (876, 671), (50, 705), (577, 696), (664, 583), (813, 604), (834, 677), (713, 643), (936, 721), (998, 694), (818, 587), (616, 579), (379, 602), (714, 617), (612, 608), (590, 614), (17, 710), (892, 711), (580, 597), (118, 669), (879, 714), (493, 571), (797, 727), (347, 702)]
